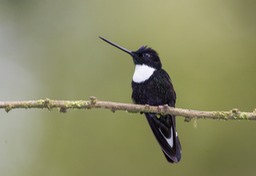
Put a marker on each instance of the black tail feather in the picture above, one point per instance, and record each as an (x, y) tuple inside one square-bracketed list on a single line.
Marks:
[(164, 129)]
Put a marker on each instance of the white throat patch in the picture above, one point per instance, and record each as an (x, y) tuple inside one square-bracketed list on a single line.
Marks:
[(142, 73)]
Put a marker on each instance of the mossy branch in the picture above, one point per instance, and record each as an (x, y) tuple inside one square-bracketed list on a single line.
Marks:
[(64, 105)]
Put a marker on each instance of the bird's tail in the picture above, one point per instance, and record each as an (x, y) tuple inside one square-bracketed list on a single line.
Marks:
[(164, 129)]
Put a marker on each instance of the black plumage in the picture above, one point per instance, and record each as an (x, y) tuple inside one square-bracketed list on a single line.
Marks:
[(155, 88), (158, 90)]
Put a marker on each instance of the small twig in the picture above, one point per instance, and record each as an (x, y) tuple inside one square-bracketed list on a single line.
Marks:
[(64, 105)]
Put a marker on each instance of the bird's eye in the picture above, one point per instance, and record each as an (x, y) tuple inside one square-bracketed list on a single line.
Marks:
[(146, 55)]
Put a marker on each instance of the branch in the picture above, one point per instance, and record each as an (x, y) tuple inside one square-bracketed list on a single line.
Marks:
[(64, 105)]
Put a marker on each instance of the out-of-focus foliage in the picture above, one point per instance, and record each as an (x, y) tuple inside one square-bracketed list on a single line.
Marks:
[(51, 49)]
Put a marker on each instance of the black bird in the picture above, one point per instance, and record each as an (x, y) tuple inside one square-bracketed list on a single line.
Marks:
[(152, 85)]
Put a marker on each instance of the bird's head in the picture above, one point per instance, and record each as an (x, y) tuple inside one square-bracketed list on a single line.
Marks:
[(147, 56)]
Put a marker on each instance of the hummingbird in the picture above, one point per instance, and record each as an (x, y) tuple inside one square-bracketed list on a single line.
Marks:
[(151, 85)]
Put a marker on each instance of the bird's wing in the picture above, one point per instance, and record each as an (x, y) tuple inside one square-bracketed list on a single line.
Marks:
[(164, 127)]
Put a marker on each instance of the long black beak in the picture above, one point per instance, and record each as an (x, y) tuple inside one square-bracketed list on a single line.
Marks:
[(117, 46)]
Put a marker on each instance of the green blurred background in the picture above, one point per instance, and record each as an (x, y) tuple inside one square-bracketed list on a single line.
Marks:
[(51, 49)]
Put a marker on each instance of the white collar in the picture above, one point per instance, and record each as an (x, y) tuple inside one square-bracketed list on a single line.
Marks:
[(142, 73)]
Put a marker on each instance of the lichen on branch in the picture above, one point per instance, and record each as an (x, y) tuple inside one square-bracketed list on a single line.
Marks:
[(93, 103)]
